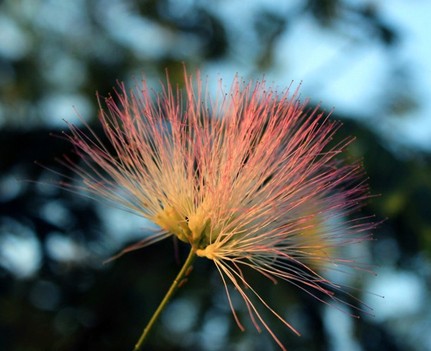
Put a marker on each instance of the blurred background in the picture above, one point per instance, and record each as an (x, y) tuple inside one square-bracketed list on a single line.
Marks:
[(371, 60)]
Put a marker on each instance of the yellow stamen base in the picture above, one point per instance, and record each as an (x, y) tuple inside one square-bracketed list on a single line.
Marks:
[(208, 252)]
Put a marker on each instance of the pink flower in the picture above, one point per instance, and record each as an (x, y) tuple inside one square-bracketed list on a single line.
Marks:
[(248, 178)]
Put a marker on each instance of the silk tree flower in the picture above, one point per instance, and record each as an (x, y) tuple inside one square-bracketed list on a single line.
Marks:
[(248, 178)]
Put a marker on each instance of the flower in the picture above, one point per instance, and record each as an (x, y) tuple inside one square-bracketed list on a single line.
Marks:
[(248, 178)]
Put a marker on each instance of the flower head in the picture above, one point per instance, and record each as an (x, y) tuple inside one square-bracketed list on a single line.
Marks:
[(248, 178)]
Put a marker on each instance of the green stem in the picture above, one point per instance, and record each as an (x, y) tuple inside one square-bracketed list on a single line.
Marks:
[(180, 279)]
